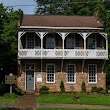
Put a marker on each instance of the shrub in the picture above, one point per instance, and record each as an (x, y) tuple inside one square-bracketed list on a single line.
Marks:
[(62, 88), (18, 90), (2, 89), (94, 89), (44, 90), (83, 86), (97, 90), (10, 95)]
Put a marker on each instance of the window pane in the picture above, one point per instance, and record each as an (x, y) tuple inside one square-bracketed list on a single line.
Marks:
[(50, 71), (92, 73), (70, 73)]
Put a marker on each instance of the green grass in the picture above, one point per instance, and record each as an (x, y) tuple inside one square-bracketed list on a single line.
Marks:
[(3, 99), (68, 99), (8, 98), (5, 108)]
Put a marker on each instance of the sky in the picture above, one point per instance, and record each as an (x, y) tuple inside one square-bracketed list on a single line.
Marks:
[(25, 9)]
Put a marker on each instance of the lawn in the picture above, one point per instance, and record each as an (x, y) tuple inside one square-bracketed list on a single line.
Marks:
[(8, 98), (88, 99)]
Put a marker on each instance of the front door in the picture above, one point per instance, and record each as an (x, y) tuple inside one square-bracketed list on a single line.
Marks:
[(30, 79)]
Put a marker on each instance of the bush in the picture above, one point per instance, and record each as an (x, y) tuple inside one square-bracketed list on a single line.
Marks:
[(97, 90), (2, 89), (44, 90), (83, 87), (62, 88), (18, 90), (10, 95), (94, 89)]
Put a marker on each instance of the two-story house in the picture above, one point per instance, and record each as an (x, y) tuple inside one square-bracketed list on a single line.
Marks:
[(51, 49)]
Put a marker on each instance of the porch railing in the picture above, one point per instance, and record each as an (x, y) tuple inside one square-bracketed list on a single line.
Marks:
[(60, 53)]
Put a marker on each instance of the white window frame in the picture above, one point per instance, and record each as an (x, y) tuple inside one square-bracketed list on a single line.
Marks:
[(52, 36), (73, 73), (50, 73), (69, 37), (28, 41), (94, 42), (95, 74)]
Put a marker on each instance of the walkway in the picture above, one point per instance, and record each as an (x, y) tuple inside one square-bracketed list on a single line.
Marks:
[(26, 102), (77, 106)]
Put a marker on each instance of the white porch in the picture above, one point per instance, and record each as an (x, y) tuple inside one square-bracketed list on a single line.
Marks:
[(81, 50)]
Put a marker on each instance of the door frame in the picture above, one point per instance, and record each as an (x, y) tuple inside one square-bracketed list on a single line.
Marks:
[(26, 74)]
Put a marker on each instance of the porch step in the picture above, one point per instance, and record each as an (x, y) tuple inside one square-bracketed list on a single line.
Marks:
[(30, 92)]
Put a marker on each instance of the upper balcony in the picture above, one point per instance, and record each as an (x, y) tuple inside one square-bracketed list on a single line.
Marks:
[(60, 45)]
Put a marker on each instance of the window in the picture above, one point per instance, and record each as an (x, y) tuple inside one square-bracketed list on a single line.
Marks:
[(50, 41), (71, 73), (91, 42), (30, 40), (92, 73), (50, 73)]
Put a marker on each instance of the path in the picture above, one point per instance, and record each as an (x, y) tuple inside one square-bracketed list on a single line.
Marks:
[(77, 106), (26, 102)]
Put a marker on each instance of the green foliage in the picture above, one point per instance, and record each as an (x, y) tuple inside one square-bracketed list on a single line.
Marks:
[(2, 89), (44, 90), (83, 87), (10, 95), (62, 88), (8, 40), (88, 99), (66, 7), (18, 90), (97, 90)]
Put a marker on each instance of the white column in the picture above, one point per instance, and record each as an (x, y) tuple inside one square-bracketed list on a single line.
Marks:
[(20, 34), (84, 37), (41, 35)]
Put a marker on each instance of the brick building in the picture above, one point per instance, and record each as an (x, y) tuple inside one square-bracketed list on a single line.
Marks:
[(51, 49)]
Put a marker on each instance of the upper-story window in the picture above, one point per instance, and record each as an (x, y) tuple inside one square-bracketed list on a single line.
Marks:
[(73, 41), (30, 44), (70, 42), (91, 42), (50, 41)]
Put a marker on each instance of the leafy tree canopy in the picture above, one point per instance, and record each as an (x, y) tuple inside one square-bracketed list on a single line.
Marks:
[(66, 7), (8, 38)]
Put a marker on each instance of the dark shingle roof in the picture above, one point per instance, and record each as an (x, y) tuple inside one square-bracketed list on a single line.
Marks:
[(61, 21)]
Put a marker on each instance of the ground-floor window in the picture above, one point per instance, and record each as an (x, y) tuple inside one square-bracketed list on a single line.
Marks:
[(92, 73), (50, 73), (71, 73)]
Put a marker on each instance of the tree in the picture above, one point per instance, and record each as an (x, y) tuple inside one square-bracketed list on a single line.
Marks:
[(8, 39), (66, 7)]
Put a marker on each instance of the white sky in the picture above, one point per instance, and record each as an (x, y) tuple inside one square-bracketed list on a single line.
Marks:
[(26, 9)]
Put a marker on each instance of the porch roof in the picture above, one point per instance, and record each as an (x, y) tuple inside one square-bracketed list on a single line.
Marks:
[(61, 21)]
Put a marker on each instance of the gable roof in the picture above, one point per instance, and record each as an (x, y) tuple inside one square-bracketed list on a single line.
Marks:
[(60, 21)]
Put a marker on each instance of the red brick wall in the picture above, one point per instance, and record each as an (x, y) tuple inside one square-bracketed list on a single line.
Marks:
[(55, 87)]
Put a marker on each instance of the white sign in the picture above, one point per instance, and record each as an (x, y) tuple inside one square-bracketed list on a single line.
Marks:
[(39, 78)]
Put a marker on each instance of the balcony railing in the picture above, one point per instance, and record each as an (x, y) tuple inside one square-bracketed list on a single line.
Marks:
[(60, 53)]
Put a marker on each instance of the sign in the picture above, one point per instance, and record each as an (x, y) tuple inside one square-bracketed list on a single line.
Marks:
[(10, 79), (39, 78)]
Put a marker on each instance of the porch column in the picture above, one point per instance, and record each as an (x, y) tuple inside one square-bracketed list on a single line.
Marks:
[(63, 35), (41, 35), (20, 34), (106, 38)]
